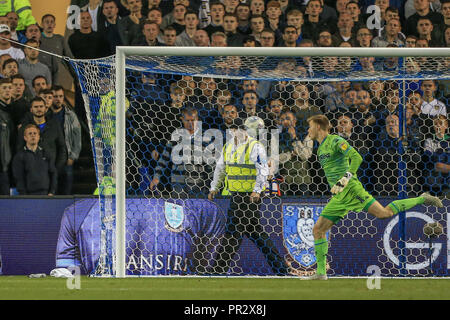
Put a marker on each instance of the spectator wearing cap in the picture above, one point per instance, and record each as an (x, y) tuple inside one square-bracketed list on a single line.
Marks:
[(5, 45)]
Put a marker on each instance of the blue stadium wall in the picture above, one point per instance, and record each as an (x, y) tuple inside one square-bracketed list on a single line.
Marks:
[(29, 231)]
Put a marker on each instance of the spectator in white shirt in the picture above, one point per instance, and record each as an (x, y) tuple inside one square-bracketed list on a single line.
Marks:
[(430, 105), (5, 45)]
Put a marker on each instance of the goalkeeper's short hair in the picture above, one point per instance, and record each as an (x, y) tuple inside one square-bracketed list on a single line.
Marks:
[(321, 120)]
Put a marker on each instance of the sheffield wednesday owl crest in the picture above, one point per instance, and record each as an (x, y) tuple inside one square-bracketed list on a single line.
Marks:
[(298, 223), (174, 215)]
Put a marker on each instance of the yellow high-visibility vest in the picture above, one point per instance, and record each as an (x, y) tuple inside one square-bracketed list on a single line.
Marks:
[(106, 119), (241, 171), (23, 10)]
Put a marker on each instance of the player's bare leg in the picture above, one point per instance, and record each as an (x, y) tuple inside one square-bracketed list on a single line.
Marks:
[(397, 206), (377, 210), (321, 248)]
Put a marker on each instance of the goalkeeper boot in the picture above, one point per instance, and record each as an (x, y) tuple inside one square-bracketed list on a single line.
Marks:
[(316, 277), (431, 200)]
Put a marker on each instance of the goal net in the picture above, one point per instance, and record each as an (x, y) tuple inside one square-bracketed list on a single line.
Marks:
[(160, 119)]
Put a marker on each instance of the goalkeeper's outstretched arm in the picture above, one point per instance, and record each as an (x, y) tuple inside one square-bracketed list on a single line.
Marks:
[(355, 160)]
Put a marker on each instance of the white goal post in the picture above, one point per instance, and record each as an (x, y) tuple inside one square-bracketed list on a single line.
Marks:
[(123, 52)]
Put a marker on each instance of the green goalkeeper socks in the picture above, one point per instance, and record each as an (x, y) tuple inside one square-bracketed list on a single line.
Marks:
[(405, 204), (321, 250)]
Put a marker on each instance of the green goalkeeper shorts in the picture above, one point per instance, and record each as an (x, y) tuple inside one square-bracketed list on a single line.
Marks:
[(353, 198)]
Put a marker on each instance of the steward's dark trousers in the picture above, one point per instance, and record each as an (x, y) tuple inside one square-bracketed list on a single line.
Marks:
[(244, 220)]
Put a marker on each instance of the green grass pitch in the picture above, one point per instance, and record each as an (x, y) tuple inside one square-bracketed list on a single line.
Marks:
[(21, 287)]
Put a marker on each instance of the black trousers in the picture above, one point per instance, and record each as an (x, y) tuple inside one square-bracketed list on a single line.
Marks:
[(4, 183), (244, 220)]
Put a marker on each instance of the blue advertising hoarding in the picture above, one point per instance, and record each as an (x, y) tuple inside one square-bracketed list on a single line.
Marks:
[(30, 235)]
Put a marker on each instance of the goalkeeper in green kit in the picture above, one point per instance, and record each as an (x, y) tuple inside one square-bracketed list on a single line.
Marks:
[(340, 163)]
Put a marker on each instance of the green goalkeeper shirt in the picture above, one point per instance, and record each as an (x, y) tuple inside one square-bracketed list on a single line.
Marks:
[(337, 157)]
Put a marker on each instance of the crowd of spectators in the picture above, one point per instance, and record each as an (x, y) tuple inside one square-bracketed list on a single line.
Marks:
[(365, 113)]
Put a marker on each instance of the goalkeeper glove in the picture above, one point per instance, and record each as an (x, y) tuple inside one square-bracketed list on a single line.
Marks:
[(342, 183)]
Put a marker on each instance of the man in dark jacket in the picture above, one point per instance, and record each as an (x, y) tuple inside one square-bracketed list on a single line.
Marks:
[(86, 43), (7, 135), (33, 170), (51, 134)]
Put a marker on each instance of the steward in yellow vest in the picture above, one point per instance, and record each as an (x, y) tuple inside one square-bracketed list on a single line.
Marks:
[(242, 166), (242, 170)]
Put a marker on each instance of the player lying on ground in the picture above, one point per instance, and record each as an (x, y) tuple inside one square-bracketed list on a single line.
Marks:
[(334, 154)]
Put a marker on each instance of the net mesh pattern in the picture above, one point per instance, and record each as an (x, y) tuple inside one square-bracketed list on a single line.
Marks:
[(393, 111)]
